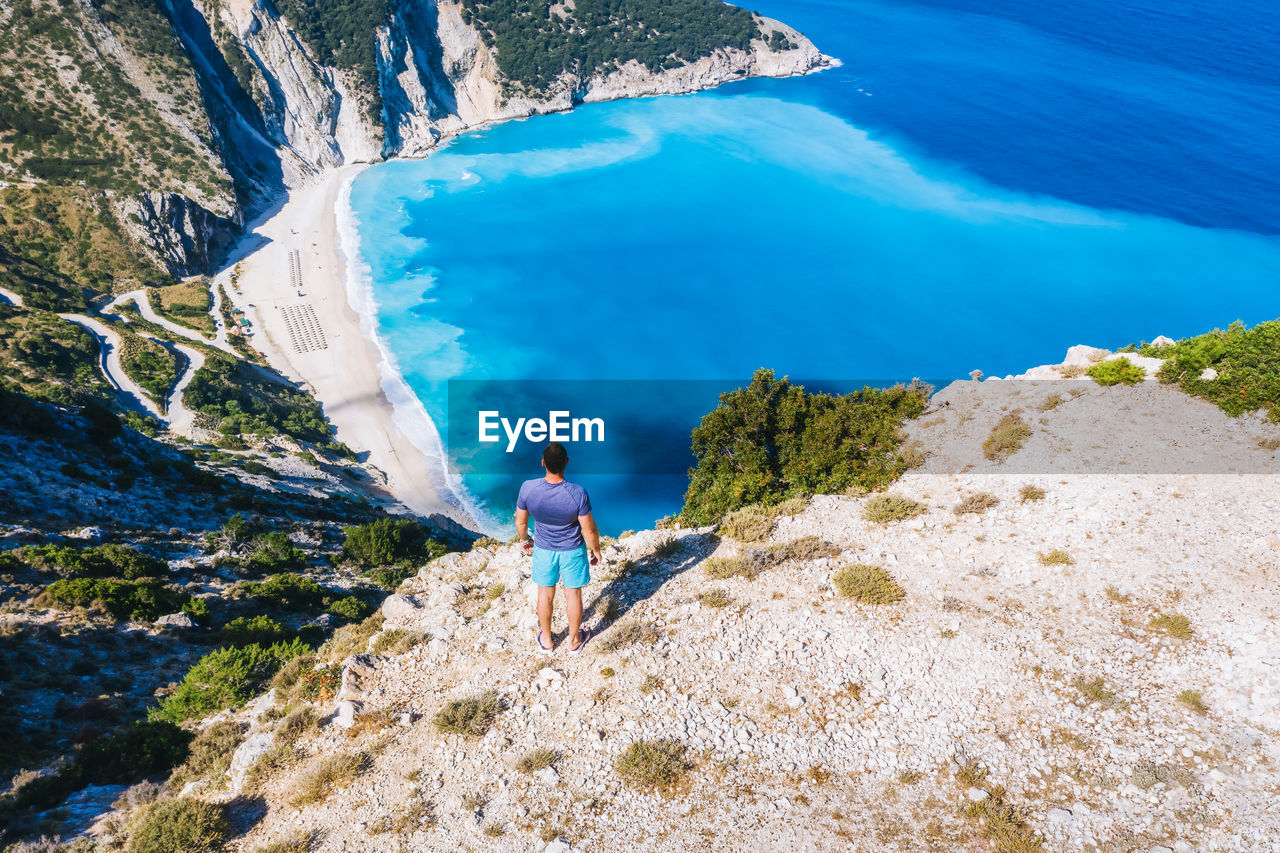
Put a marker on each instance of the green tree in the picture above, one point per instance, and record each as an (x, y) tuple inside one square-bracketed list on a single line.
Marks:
[(772, 440)]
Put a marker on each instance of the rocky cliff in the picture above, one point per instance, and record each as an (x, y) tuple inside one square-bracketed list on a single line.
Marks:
[(436, 77)]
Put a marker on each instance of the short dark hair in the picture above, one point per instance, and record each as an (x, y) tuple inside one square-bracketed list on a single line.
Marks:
[(555, 457)]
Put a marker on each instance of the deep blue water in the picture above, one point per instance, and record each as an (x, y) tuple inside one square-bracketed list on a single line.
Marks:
[(981, 185)]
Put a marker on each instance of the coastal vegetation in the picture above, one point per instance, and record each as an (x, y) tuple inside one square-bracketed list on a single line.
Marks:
[(235, 398), (535, 43), (1115, 371), (773, 440), (1245, 364)]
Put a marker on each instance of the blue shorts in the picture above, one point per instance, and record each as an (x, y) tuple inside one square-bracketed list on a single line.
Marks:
[(570, 568)]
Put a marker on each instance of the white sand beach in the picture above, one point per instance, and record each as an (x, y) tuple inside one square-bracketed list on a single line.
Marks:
[(309, 331)]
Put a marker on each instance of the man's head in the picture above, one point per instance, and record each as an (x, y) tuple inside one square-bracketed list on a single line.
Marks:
[(554, 458)]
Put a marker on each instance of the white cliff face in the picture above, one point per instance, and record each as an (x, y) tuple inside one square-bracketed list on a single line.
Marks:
[(437, 78)]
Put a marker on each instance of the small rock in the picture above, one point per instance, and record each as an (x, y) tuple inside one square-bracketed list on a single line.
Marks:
[(795, 702), (558, 846), (1208, 374), (93, 534), (175, 620), (1058, 816), (976, 795), (193, 786), (547, 776), (1163, 341)]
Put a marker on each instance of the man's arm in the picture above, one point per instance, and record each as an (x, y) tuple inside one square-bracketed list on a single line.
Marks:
[(522, 529), (591, 533)]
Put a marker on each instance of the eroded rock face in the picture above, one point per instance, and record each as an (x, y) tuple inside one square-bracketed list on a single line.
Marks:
[(177, 231)]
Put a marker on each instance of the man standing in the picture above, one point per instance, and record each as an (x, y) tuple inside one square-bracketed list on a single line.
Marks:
[(563, 533)]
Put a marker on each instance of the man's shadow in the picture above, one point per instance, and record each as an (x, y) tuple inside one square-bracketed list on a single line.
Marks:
[(629, 586)]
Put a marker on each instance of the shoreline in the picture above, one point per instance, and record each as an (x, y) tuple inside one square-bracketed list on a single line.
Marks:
[(349, 373)]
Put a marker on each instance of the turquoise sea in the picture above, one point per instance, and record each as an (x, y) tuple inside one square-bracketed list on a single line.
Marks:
[(980, 185)]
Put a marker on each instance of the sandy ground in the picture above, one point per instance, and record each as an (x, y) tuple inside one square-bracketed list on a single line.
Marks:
[(344, 373)]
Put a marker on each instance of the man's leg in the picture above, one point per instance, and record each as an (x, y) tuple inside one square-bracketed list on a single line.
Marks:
[(546, 601), (573, 609)]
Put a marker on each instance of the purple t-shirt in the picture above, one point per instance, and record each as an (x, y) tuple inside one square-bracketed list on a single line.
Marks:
[(555, 508)]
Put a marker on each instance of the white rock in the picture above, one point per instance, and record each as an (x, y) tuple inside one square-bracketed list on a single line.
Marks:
[(175, 620), (245, 755), (1059, 816), (976, 795), (345, 714), (1208, 374), (1163, 341), (547, 776), (398, 606), (1081, 355)]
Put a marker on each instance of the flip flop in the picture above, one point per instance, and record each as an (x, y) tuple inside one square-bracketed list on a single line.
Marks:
[(586, 635), (542, 648)]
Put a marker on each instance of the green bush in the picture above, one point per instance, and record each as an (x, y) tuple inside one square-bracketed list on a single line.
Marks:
[(1247, 362), (351, 609), (390, 542), (98, 561), (183, 825), (133, 752), (226, 678), (773, 440), (1113, 371), (247, 630), (287, 591), (143, 600), (274, 552)]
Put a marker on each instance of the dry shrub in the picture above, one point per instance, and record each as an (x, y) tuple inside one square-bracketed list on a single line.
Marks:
[(471, 717), (328, 775), (749, 524), (653, 765), (1006, 438), (976, 503), (868, 584), (883, 509)]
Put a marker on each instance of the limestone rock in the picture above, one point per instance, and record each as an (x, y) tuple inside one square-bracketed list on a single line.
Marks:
[(175, 620), (398, 607)]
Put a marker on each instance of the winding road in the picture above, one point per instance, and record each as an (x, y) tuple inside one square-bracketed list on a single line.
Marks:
[(139, 298), (179, 418), (109, 362)]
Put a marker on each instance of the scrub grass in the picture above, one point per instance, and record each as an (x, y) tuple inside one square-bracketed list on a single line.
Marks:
[(883, 509), (470, 717), (868, 584), (329, 775), (653, 765), (538, 759), (1174, 624), (749, 524), (1006, 437), (1056, 557), (1116, 371), (1030, 493), (976, 504)]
